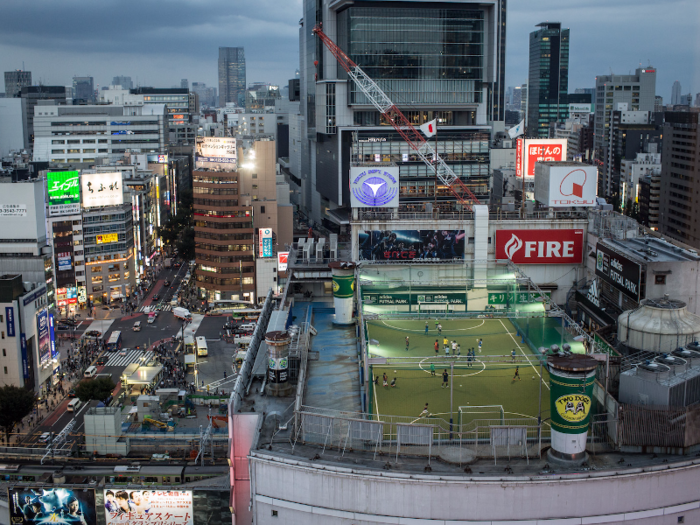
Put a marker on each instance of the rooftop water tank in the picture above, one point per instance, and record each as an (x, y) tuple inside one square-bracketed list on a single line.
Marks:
[(658, 325)]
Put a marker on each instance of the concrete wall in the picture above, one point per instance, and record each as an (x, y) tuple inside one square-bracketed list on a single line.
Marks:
[(305, 493)]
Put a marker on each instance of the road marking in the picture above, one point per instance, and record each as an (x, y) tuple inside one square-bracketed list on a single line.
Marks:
[(525, 355)]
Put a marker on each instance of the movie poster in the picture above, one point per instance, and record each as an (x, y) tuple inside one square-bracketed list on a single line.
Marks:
[(411, 245), (158, 507), (29, 506)]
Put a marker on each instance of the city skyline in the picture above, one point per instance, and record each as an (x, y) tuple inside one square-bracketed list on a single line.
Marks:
[(62, 43)]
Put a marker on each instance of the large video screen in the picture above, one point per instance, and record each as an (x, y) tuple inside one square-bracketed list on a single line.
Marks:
[(166, 507), (411, 245), (34, 506)]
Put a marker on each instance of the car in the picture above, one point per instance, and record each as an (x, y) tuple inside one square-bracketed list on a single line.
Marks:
[(93, 333), (64, 328), (71, 393), (137, 326), (67, 322), (167, 283), (156, 297), (45, 437)]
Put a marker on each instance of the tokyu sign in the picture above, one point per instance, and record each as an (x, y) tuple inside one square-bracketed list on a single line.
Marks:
[(540, 246)]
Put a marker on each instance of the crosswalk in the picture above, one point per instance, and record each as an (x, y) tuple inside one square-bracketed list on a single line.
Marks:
[(163, 308), (132, 356)]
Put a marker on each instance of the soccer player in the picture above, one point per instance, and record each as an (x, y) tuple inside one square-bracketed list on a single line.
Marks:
[(469, 359), (426, 328), (445, 343), (432, 369), (406, 343), (439, 329), (459, 350), (454, 347), (437, 323), (385, 380), (393, 383), (480, 341), (517, 374), (445, 378), (447, 350), (437, 347), (425, 412), (512, 354)]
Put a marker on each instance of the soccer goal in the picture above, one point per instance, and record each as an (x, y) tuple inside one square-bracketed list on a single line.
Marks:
[(437, 308), (493, 413)]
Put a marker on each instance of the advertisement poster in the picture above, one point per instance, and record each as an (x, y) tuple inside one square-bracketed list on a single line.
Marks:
[(567, 185), (531, 151), (63, 188), (102, 189), (43, 336), (282, 258), (107, 238), (164, 507), (540, 246), (52, 336), (374, 187), (66, 296), (216, 152), (618, 271), (411, 245), (54, 505), (265, 242), (65, 262)]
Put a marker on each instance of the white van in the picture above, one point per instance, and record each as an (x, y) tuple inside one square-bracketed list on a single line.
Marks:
[(74, 405), (248, 327), (137, 326), (90, 372)]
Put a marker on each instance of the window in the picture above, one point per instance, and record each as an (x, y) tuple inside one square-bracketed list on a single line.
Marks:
[(5, 368), (4, 353), (659, 279), (262, 209), (97, 269), (3, 335)]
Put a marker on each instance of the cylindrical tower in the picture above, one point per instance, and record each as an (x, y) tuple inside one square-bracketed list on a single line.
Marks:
[(343, 291), (278, 364), (571, 379)]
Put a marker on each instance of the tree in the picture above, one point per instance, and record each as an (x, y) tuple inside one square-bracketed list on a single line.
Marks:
[(15, 404), (99, 389)]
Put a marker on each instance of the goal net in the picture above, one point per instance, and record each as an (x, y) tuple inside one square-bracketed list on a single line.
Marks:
[(438, 308), (492, 413)]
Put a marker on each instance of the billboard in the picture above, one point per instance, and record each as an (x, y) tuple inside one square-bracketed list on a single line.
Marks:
[(10, 316), (411, 245), (540, 246), (537, 150), (580, 108), (63, 188), (374, 187), (157, 159), (34, 506), (265, 242), (65, 261), (216, 152), (43, 336), (282, 258), (566, 184), (107, 238), (102, 189), (165, 507), (66, 296), (618, 271)]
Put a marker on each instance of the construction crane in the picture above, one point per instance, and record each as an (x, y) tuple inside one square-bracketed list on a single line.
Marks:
[(411, 135)]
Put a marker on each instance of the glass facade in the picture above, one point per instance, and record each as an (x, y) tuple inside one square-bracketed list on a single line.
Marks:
[(232, 76), (418, 55)]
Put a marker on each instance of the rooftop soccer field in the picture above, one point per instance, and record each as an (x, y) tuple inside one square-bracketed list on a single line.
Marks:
[(487, 379)]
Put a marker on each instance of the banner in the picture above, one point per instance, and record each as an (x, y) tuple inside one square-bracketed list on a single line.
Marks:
[(164, 507), (618, 271), (540, 246), (265, 242), (411, 245), (102, 189), (10, 315), (42, 505)]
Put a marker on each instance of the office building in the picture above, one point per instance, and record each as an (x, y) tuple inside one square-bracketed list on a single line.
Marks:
[(697, 100), (632, 171), (181, 107), (686, 100), (464, 89), (31, 96), (232, 76), (83, 90), (261, 97), (676, 93), (224, 237), (184, 83), (680, 161), (15, 81), (638, 91), (517, 99), (207, 95), (71, 135), (124, 82), (548, 79), (658, 104), (649, 192)]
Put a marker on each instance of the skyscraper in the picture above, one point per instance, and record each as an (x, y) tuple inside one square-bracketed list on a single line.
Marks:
[(124, 82), (184, 83), (83, 90), (676, 93), (15, 81), (232, 79), (548, 78)]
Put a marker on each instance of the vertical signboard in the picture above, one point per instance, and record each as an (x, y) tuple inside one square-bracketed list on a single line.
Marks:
[(519, 157), (164, 507), (47, 504), (282, 258), (10, 316), (25, 361), (618, 271), (265, 242), (52, 336), (43, 336)]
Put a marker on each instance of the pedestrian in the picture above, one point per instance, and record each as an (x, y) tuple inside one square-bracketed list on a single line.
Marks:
[(406, 343), (517, 374), (426, 328), (432, 369), (437, 347), (385, 380), (445, 378)]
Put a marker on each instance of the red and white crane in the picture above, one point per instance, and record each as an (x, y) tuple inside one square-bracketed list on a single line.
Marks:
[(411, 135)]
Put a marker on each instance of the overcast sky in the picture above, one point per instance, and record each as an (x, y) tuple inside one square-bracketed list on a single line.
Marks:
[(158, 43)]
